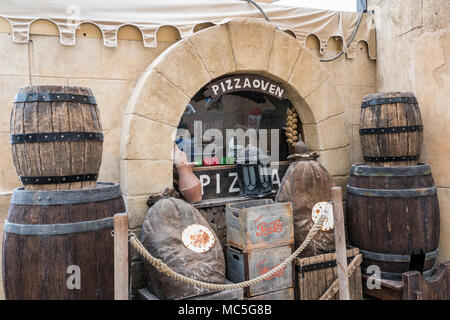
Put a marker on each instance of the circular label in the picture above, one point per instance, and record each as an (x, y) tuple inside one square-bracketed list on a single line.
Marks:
[(197, 238), (320, 208)]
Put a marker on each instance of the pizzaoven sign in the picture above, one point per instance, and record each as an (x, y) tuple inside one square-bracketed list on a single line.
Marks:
[(245, 83)]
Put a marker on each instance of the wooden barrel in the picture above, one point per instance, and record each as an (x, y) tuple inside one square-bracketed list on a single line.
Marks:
[(58, 244), (56, 137), (393, 217), (390, 129)]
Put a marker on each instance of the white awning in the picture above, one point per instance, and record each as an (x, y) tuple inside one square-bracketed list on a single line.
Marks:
[(149, 15)]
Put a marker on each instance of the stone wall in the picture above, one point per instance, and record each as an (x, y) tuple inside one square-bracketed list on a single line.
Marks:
[(413, 44), (112, 73)]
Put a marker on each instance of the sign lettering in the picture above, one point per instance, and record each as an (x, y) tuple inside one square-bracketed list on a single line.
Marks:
[(265, 229), (247, 83), (263, 269)]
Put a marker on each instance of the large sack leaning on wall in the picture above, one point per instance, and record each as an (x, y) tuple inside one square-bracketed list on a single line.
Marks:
[(305, 184), (175, 232)]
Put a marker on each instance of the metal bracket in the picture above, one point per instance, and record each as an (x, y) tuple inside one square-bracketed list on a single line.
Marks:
[(391, 158), (391, 193), (58, 229), (55, 137), (375, 102), (54, 97), (390, 130), (318, 266), (59, 179)]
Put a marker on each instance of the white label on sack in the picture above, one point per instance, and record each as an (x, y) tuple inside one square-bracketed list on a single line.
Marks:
[(197, 238), (320, 208)]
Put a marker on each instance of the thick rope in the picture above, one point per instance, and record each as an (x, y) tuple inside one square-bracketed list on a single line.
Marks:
[(162, 267)]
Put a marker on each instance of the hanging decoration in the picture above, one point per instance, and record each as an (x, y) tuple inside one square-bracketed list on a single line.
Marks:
[(292, 127)]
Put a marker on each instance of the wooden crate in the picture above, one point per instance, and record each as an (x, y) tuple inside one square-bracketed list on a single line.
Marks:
[(256, 224), (314, 275), (230, 294), (246, 265), (285, 294)]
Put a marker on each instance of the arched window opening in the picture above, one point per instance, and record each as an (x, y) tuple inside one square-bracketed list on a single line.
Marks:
[(229, 114)]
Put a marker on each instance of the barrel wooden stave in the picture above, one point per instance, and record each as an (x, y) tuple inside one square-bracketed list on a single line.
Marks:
[(35, 266), (58, 158), (402, 114), (393, 225)]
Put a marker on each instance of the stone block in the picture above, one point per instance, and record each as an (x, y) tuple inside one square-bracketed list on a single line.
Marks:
[(5, 198), (333, 133), (336, 161), (325, 101), (342, 181), (145, 177), (308, 73), (42, 81), (179, 63), (284, 53), (111, 97), (133, 57), (361, 68), (83, 60), (9, 86), (214, 48), (311, 138), (436, 146), (252, 41), (152, 101), (8, 175), (357, 156), (444, 208), (110, 168), (147, 139), (137, 210), (352, 97), (14, 56)]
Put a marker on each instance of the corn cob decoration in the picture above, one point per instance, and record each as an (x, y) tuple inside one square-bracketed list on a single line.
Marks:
[(292, 122)]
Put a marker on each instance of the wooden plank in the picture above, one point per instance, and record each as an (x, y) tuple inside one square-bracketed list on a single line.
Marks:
[(331, 291), (76, 123), (341, 249), (329, 274), (47, 150), (121, 256), (31, 150), (61, 123)]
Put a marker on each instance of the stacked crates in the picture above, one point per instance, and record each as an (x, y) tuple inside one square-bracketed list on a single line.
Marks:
[(260, 236)]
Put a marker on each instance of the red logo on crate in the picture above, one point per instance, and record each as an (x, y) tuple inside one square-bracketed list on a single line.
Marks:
[(264, 269), (265, 229)]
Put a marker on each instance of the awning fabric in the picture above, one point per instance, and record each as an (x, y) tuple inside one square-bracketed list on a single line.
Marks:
[(149, 15)]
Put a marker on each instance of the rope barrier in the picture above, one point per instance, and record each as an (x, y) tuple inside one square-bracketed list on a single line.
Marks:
[(162, 267)]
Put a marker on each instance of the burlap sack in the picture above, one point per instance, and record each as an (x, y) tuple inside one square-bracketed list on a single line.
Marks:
[(161, 236), (306, 183)]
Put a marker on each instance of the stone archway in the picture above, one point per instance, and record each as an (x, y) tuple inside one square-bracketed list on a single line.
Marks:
[(167, 85)]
